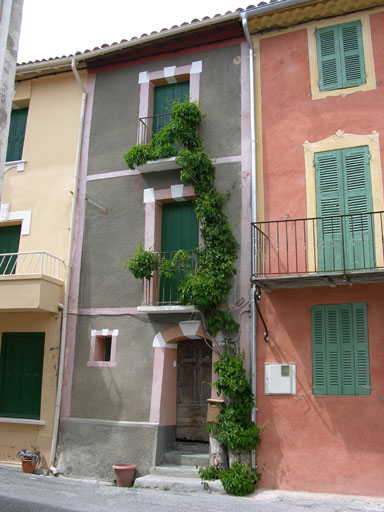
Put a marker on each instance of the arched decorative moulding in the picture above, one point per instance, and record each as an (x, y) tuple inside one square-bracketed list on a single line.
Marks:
[(164, 378), (342, 140)]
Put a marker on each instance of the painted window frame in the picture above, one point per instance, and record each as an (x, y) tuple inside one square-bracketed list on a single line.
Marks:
[(370, 83), (153, 201), (343, 140), (340, 350), (148, 80), (93, 361), (41, 338)]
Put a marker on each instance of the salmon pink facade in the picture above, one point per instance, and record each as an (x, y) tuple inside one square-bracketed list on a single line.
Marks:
[(318, 246)]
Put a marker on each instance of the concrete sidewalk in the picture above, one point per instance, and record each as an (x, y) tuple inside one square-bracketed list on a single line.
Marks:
[(39, 492)]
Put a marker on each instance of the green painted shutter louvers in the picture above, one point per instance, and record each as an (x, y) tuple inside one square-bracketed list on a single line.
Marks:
[(16, 134), (340, 351), (340, 56)]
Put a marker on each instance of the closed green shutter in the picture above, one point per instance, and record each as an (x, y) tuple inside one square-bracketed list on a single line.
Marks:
[(329, 199), (164, 97), (352, 60), (340, 352), (179, 230), (21, 370), (340, 56), (360, 325), (358, 200), (16, 134), (318, 351), (9, 243), (347, 349), (328, 55), (333, 350)]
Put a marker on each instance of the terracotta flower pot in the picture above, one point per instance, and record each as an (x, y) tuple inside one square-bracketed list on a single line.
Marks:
[(124, 474), (27, 466)]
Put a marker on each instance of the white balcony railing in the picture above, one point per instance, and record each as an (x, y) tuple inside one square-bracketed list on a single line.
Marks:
[(31, 263)]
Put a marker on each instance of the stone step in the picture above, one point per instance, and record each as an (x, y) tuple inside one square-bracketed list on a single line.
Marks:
[(174, 470), (186, 458), (191, 447), (180, 484)]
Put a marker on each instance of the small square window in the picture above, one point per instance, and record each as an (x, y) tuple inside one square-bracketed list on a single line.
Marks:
[(103, 348)]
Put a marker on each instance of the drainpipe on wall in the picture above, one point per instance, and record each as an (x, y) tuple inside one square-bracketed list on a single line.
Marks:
[(69, 268), (244, 19)]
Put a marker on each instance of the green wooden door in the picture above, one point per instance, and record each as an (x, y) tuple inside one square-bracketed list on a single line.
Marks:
[(21, 371), (164, 97), (16, 134), (9, 243), (179, 230), (343, 187)]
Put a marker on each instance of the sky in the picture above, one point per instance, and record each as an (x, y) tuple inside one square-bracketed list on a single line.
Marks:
[(53, 28)]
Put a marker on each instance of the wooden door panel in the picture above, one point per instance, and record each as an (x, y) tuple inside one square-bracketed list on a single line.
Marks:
[(193, 381)]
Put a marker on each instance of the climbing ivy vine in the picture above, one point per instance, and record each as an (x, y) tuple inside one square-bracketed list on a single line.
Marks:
[(207, 286)]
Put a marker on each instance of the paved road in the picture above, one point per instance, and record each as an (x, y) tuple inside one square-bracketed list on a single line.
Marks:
[(32, 493)]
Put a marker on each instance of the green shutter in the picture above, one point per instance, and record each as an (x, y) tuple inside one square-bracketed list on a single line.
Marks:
[(21, 370), (164, 97), (328, 55), (333, 352), (340, 56), (329, 200), (179, 230), (352, 61), (340, 352), (360, 324), (359, 245), (318, 350), (9, 243), (16, 134), (347, 350)]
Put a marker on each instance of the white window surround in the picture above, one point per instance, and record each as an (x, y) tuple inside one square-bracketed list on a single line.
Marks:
[(24, 216), (168, 75), (16, 163), (92, 353), (22, 421)]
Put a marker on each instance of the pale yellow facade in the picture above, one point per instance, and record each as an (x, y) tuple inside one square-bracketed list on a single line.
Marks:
[(40, 199)]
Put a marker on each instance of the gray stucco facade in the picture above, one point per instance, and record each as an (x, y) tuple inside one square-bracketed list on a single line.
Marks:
[(111, 407)]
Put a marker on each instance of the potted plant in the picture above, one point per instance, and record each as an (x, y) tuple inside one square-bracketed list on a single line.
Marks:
[(29, 459)]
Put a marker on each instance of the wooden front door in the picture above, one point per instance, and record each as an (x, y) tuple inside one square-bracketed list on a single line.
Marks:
[(194, 370)]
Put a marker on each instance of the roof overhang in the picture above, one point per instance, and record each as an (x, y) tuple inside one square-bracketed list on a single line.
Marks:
[(292, 12)]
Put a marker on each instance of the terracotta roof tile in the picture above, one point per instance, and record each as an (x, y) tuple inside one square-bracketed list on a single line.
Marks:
[(163, 30)]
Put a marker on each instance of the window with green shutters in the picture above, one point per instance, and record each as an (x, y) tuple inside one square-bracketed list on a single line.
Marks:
[(16, 134), (164, 97), (21, 373), (340, 56), (343, 187), (340, 351)]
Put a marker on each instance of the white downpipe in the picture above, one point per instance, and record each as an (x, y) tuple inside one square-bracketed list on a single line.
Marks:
[(252, 350), (69, 267)]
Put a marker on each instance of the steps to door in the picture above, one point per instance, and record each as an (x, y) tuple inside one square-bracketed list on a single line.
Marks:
[(178, 472)]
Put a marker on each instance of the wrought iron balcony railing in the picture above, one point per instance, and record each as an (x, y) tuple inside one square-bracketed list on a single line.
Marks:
[(31, 263), (148, 126), (319, 245), (163, 287)]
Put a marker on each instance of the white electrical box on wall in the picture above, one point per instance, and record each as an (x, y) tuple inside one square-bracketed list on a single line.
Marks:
[(280, 379)]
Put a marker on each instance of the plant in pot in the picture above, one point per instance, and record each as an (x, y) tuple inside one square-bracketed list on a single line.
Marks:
[(29, 459)]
